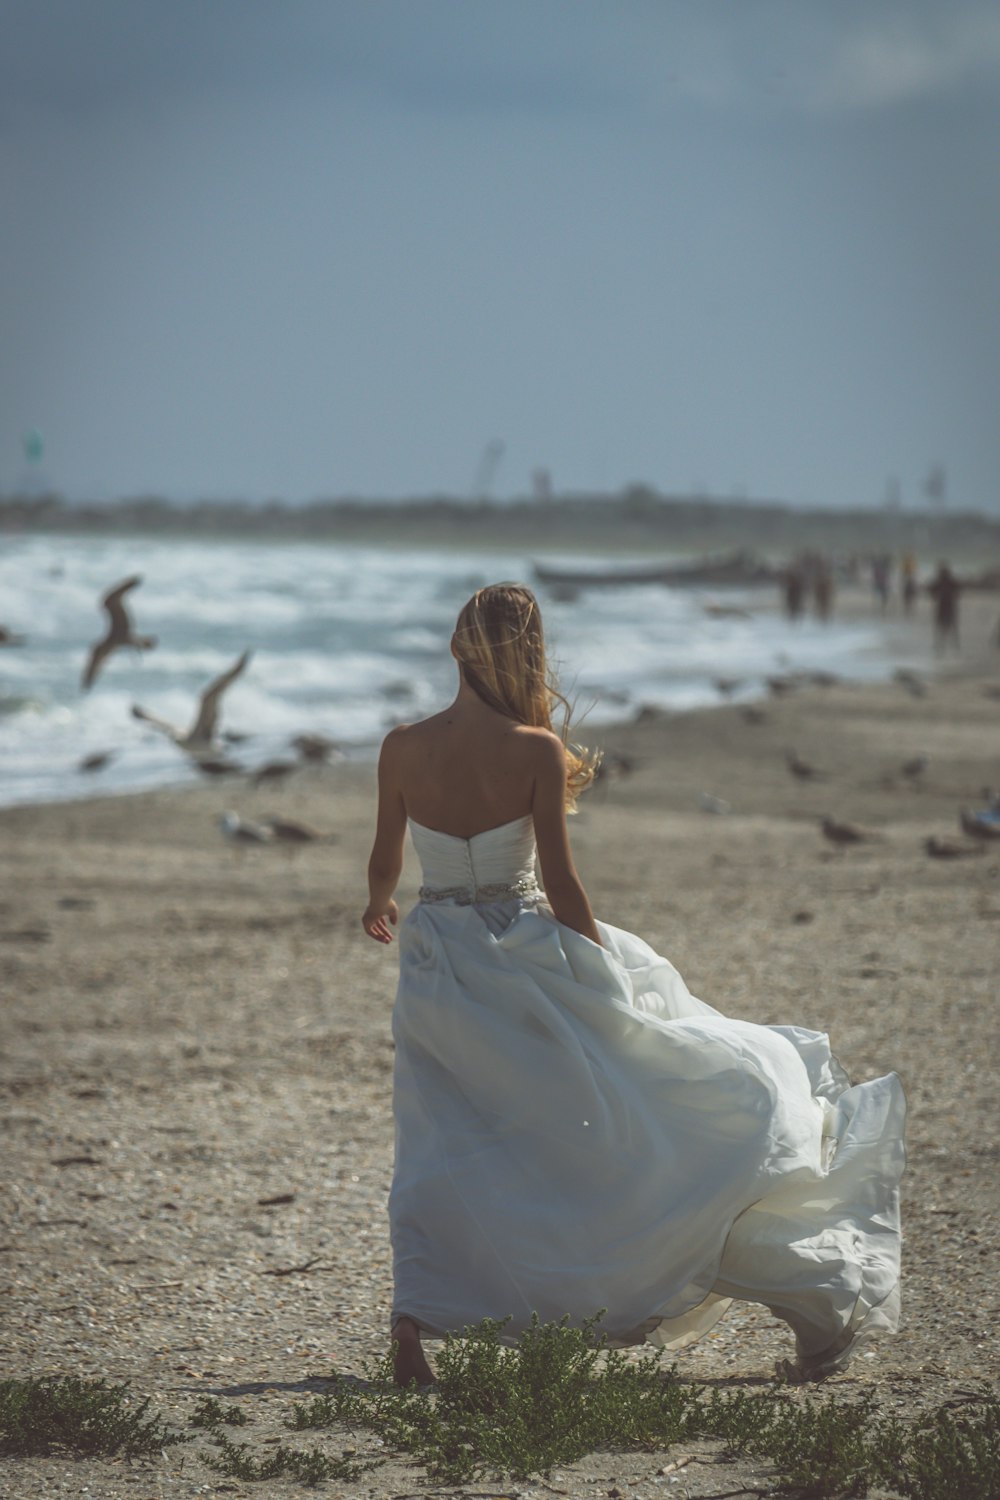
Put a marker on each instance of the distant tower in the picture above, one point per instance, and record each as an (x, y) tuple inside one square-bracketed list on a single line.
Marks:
[(893, 497)]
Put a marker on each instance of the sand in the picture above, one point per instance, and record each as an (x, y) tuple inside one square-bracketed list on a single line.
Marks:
[(196, 1056)]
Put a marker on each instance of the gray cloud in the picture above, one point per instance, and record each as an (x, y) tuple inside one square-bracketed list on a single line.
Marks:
[(454, 56)]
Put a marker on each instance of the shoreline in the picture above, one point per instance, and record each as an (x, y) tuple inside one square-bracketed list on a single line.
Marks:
[(906, 645)]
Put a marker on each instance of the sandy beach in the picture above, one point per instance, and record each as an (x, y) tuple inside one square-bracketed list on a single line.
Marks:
[(197, 1056)]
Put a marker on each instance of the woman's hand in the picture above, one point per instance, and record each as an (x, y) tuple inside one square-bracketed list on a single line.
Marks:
[(374, 922)]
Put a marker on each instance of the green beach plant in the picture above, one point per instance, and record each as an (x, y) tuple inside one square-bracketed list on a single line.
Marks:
[(237, 1462), (511, 1411), (210, 1414), (42, 1414)]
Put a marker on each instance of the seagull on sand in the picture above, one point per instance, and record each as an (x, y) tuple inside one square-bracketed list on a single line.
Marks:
[(118, 633), (201, 736), (845, 833), (214, 765), (914, 769), (982, 823), (914, 684), (751, 714), (802, 769), (316, 747), (239, 831), (288, 831), (274, 770), (951, 848)]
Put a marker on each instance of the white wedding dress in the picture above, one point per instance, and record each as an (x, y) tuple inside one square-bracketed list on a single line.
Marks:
[(576, 1132)]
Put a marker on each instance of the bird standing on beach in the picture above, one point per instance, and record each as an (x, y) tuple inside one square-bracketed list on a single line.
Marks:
[(201, 736), (239, 831), (914, 769), (274, 770), (288, 831), (981, 823), (845, 833), (939, 848), (118, 633), (316, 748), (802, 769), (214, 765), (914, 685)]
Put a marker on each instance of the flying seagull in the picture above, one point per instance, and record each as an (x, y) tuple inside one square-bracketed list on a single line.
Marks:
[(201, 736), (118, 633)]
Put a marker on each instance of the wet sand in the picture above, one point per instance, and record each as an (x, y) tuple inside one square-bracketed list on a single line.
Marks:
[(197, 1058)]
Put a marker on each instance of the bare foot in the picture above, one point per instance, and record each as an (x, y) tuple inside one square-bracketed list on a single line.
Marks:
[(408, 1356)]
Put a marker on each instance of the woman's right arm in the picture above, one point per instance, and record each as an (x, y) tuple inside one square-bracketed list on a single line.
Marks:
[(563, 886), (386, 862)]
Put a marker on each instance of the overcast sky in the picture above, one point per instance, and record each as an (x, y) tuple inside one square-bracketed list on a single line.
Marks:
[(306, 248)]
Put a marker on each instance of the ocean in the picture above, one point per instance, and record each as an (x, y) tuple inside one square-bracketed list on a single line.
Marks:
[(346, 639)]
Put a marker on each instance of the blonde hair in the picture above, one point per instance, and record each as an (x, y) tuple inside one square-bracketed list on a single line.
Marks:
[(500, 647)]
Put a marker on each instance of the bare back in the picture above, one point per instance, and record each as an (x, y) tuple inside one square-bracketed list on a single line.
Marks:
[(467, 769)]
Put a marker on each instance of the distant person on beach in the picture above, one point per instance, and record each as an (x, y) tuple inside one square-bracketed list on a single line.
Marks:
[(576, 1132), (908, 581), (823, 587), (882, 578), (944, 590), (793, 588)]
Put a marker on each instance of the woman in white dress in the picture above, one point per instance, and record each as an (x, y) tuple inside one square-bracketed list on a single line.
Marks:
[(575, 1132)]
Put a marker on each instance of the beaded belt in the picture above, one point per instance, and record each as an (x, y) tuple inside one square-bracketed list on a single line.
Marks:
[(525, 888)]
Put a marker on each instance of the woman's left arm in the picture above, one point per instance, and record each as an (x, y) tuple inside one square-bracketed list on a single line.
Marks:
[(563, 886), (386, 861)]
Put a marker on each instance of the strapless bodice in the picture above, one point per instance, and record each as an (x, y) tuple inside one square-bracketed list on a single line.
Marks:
[(496, 865)]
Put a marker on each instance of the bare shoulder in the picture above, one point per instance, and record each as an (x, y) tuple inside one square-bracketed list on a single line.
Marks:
[(397, 736), (543, 745), (395, 743)]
